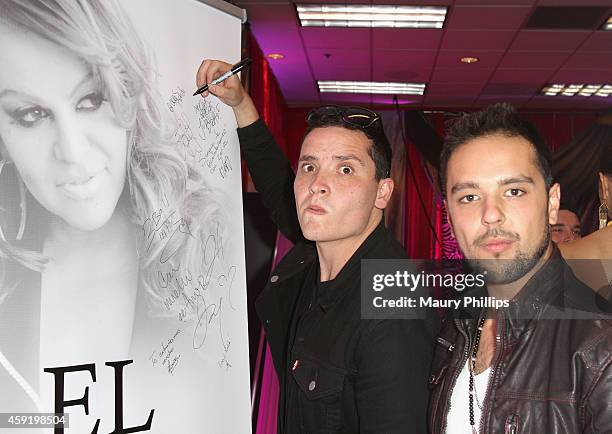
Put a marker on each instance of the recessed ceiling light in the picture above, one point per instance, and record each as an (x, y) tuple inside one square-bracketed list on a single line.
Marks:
[(603, 90), (608, 24), (275, 56), (371, 87), (392, 16), (469, 59)]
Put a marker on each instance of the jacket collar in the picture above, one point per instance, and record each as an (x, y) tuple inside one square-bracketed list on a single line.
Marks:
[(350, 275), (544, 290)]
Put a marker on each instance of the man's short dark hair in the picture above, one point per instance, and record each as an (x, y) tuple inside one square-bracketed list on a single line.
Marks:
[(569, 203), (380, 151), (499, 118)]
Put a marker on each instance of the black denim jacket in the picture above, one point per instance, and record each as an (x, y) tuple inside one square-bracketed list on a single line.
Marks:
[(350, 375)]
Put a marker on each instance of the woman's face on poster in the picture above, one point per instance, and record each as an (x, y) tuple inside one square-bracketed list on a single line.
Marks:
[(58, 129)]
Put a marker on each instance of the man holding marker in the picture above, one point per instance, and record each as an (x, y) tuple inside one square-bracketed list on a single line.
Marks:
[(544, 363), (337, 373)]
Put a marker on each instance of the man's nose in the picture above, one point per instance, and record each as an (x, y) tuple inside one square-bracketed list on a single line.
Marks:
[(492, 213), (319, 184)]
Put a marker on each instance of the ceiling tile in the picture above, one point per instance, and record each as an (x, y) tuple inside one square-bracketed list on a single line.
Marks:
[(485, 101), (451, 58), (404, 73), (589, 60), (477, 39), (487, 17), (556, 102), (355, 64), (345, 98), (533, 59), (441, 103), (495, 2), (442, 90), (462, 73), (598, 41), (516, 75), (541, 40), (321, 37), (390, 59), (574, 2), (577, 76), (415, 39)]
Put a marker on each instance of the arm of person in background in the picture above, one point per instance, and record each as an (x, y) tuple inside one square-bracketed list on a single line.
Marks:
[(271, 171), (595, 246)]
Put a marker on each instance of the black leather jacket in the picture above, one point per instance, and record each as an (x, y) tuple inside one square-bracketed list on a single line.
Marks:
[(548, 375)]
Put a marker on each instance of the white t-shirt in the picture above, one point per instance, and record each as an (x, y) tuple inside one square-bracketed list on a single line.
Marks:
[(458, 418)]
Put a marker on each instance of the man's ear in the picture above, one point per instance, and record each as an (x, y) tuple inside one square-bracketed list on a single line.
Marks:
[(448, 216), (383, 194), (554, 201)]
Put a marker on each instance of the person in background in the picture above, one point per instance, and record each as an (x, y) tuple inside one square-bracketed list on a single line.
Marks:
[(567, 227)]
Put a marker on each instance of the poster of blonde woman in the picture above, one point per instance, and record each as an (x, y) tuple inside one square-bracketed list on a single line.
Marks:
[(122, 288)]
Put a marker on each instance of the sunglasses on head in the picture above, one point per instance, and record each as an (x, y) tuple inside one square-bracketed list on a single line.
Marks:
[(357, 116)]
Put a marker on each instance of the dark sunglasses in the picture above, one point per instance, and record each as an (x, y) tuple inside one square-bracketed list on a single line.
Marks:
[(357, 116)]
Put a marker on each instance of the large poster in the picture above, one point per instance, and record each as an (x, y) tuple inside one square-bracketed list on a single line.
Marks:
[(122, 288)]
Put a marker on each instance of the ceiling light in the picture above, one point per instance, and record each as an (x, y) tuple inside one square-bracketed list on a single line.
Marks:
[(275, 56), (469, 59), (608, 24), (603, 90), (372, 87), (390, 16)]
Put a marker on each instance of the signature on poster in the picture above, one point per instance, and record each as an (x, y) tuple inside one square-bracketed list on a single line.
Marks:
[(202, 299), (167, 354)]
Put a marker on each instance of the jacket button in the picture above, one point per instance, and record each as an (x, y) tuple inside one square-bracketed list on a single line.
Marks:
[(312, 385), (274, 278), (267, 321)]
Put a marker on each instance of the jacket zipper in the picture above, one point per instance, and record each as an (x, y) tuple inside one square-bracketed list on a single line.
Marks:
[(455, 375), (511, 426), (485, 407)]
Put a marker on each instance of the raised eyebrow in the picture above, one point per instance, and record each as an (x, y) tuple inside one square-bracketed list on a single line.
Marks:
[(307, 158), (558, 225), (463, 186), (349, 157), (516, 180)]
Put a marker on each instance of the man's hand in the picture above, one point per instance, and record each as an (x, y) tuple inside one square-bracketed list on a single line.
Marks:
[(229, 91)]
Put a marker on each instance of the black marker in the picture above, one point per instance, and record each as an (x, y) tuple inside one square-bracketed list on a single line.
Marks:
[(235, 70)]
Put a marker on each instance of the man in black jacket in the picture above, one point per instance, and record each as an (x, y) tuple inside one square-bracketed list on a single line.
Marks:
[(542, 364), (338, 373)]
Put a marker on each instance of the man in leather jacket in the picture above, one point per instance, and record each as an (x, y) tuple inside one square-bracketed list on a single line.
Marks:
[(543, 363), (337, 372)]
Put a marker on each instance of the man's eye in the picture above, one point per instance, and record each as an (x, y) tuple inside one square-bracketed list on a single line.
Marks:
[(515, 192), (346, 170), (307, 167), (468, 198), (30, 116), (90, 102)]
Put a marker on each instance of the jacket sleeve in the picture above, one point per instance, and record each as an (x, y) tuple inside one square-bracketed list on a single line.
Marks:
[(272, 176), (391, 383), (599, 403)]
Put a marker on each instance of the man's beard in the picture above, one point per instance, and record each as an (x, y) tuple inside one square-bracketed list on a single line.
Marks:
[(503, 271)]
